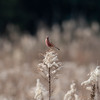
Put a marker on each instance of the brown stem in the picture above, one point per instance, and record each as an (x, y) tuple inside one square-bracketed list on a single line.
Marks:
[(97, 91), (93, 92), (49, 84)]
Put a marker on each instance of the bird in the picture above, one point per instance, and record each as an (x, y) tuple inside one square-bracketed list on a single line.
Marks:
[(50, 44)]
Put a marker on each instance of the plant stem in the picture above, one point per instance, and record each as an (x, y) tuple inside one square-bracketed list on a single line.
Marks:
[(97, 90), (49, 84), (93, 92)]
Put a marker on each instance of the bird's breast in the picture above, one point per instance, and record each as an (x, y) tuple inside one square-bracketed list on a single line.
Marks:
[(48, 43)]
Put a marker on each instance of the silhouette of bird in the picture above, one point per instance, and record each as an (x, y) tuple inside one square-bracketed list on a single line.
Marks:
[(50, 44)]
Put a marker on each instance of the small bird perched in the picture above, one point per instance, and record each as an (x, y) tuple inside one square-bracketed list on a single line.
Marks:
[(50, 44)]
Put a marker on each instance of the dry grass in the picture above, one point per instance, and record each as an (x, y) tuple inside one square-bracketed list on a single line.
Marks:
[(19, 58)]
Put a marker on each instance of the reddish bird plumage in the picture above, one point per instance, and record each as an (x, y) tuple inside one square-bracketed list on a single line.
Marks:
[(49, 44)]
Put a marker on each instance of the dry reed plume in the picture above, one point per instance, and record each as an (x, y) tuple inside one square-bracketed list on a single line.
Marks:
[(50, 66), (71, 94), (91, 83)]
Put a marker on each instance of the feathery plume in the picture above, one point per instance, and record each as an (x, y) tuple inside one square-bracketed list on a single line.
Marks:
[(39, 91), (93, 77), (91, 83), (50, 61), (71, 94), (50, 66)]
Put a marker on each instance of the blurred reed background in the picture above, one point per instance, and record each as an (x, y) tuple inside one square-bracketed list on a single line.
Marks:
[(72, 25)]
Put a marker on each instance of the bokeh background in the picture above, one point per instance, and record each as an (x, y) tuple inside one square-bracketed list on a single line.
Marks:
[(72, 25)]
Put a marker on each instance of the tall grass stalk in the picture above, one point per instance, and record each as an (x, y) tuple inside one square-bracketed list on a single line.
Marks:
[(49, 67), (92, 95), (92, 83), (39, 91), (71, 94)]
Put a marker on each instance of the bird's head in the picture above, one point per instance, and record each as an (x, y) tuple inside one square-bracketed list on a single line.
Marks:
[(47, 37)]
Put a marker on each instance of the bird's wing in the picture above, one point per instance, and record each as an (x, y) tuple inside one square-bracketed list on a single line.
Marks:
[(52, 44)]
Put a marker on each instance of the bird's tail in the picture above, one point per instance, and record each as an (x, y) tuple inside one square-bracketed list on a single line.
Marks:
[(57, 48)]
